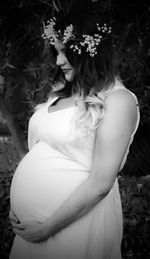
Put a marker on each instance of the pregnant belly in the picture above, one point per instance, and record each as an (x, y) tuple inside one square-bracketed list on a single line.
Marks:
[(44, 179)]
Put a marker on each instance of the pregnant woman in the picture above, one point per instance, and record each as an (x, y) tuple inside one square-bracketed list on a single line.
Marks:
[(65, 200)]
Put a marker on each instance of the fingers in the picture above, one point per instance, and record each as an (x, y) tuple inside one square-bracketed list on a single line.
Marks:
[(17, 232), (13, 217), (18, 225)]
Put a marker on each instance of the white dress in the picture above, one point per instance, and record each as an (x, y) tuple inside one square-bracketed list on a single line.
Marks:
[(58, 161)]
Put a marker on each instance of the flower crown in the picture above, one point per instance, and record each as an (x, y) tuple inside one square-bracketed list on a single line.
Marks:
[(90, 42)]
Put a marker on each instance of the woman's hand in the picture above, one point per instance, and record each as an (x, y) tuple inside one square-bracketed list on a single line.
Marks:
[(31, 231), (13, 218)]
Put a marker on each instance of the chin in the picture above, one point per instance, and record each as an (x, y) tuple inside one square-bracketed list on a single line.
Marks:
[(69, 77)]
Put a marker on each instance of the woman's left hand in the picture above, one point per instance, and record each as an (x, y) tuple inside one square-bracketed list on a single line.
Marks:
[(31, 231)]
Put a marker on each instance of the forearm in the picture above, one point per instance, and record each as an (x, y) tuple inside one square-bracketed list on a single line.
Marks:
[(83, 199)]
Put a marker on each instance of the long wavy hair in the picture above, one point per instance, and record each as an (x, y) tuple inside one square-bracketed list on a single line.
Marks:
[(92, 74)]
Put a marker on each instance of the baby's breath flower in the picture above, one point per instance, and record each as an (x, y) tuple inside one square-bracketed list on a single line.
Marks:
[(90, 42), (49, 32), (68, 33)]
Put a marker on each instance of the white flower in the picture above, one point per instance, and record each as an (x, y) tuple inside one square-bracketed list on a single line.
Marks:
[(68, 33), (90, 42)]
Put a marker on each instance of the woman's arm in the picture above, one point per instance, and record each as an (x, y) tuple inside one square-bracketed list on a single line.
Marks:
[(112, 138)]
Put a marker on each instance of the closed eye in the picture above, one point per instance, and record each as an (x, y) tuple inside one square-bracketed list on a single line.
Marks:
[(63, 50)]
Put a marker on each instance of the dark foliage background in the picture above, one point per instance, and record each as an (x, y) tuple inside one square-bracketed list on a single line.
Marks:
[(26, 72)]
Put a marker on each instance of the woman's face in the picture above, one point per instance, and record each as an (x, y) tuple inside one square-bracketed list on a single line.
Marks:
[(63, 62)]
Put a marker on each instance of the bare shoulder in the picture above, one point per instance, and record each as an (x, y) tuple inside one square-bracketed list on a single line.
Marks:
[(121, 96), (120, 109), (121, 101)]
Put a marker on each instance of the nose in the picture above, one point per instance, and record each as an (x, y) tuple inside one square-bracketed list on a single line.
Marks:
[(60, 60)]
